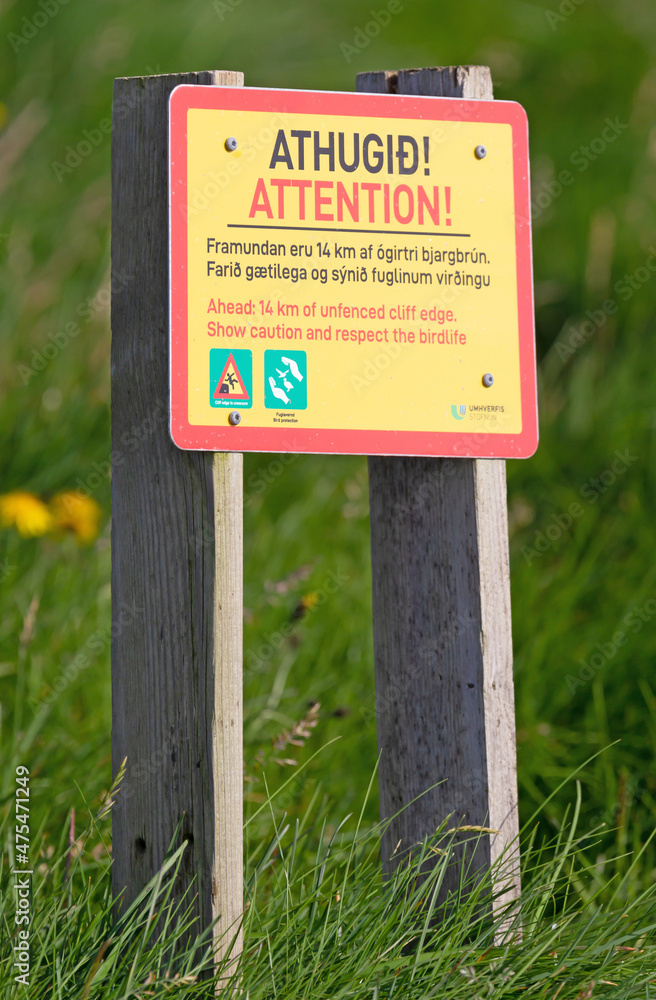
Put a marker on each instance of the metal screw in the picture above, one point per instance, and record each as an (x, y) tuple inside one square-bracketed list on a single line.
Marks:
[(235, 418), (231, 145), (488, 380), (480, 152)]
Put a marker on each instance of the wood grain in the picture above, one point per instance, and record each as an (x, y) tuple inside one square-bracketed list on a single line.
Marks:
[(442, 625), (176, 561)]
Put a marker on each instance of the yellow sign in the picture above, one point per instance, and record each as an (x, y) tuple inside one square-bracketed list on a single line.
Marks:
[(352, 271)]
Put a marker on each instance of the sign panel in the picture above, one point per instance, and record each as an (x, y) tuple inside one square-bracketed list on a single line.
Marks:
[(350, 273)]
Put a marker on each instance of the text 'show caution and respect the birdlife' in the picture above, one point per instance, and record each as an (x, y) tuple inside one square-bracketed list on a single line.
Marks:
[(352, 272)]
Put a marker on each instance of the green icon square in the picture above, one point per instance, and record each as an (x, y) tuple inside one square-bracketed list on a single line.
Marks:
[(231, 378), (285, 380)]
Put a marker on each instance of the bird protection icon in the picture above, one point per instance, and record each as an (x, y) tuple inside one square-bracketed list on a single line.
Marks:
[(285, 380)]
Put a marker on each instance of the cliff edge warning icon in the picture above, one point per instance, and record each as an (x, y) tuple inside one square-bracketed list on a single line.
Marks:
[(231, 378)]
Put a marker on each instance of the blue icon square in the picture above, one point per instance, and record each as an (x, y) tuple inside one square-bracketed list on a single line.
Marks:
[(285, 380), (231, 378)]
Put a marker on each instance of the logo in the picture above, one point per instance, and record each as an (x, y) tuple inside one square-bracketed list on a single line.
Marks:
[(285, 380), (231, 378), (458, 412)]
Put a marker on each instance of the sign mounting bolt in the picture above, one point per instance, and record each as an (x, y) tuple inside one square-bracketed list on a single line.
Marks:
[(488, 380), (231, 144), (479, 152), (235, 418)]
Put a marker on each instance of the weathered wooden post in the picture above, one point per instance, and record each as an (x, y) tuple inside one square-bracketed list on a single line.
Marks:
[(176, 561), (442, 629)]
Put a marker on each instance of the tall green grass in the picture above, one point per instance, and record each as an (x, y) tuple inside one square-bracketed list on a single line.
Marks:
[(319, 923)]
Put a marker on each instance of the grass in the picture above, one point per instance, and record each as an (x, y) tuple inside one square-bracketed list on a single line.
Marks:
[(580, 689), (319, 923)]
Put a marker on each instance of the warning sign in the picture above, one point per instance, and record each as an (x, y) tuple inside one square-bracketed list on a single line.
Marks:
[(354, 270), (228, 385)]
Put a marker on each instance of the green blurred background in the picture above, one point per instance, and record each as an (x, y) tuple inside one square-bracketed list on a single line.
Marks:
[(573, 66)]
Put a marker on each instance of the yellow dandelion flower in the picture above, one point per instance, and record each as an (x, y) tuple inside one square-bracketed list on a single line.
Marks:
[(72, 511), (25, 512), (306, 604)]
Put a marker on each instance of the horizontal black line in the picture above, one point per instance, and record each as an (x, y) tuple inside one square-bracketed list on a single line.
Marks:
[(328, 229)]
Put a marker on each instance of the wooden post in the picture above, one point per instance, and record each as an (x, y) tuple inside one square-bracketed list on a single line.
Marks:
[(176, 562), (442, 631)]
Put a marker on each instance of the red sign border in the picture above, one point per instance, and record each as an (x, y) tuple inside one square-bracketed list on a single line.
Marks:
[(345, 442)]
